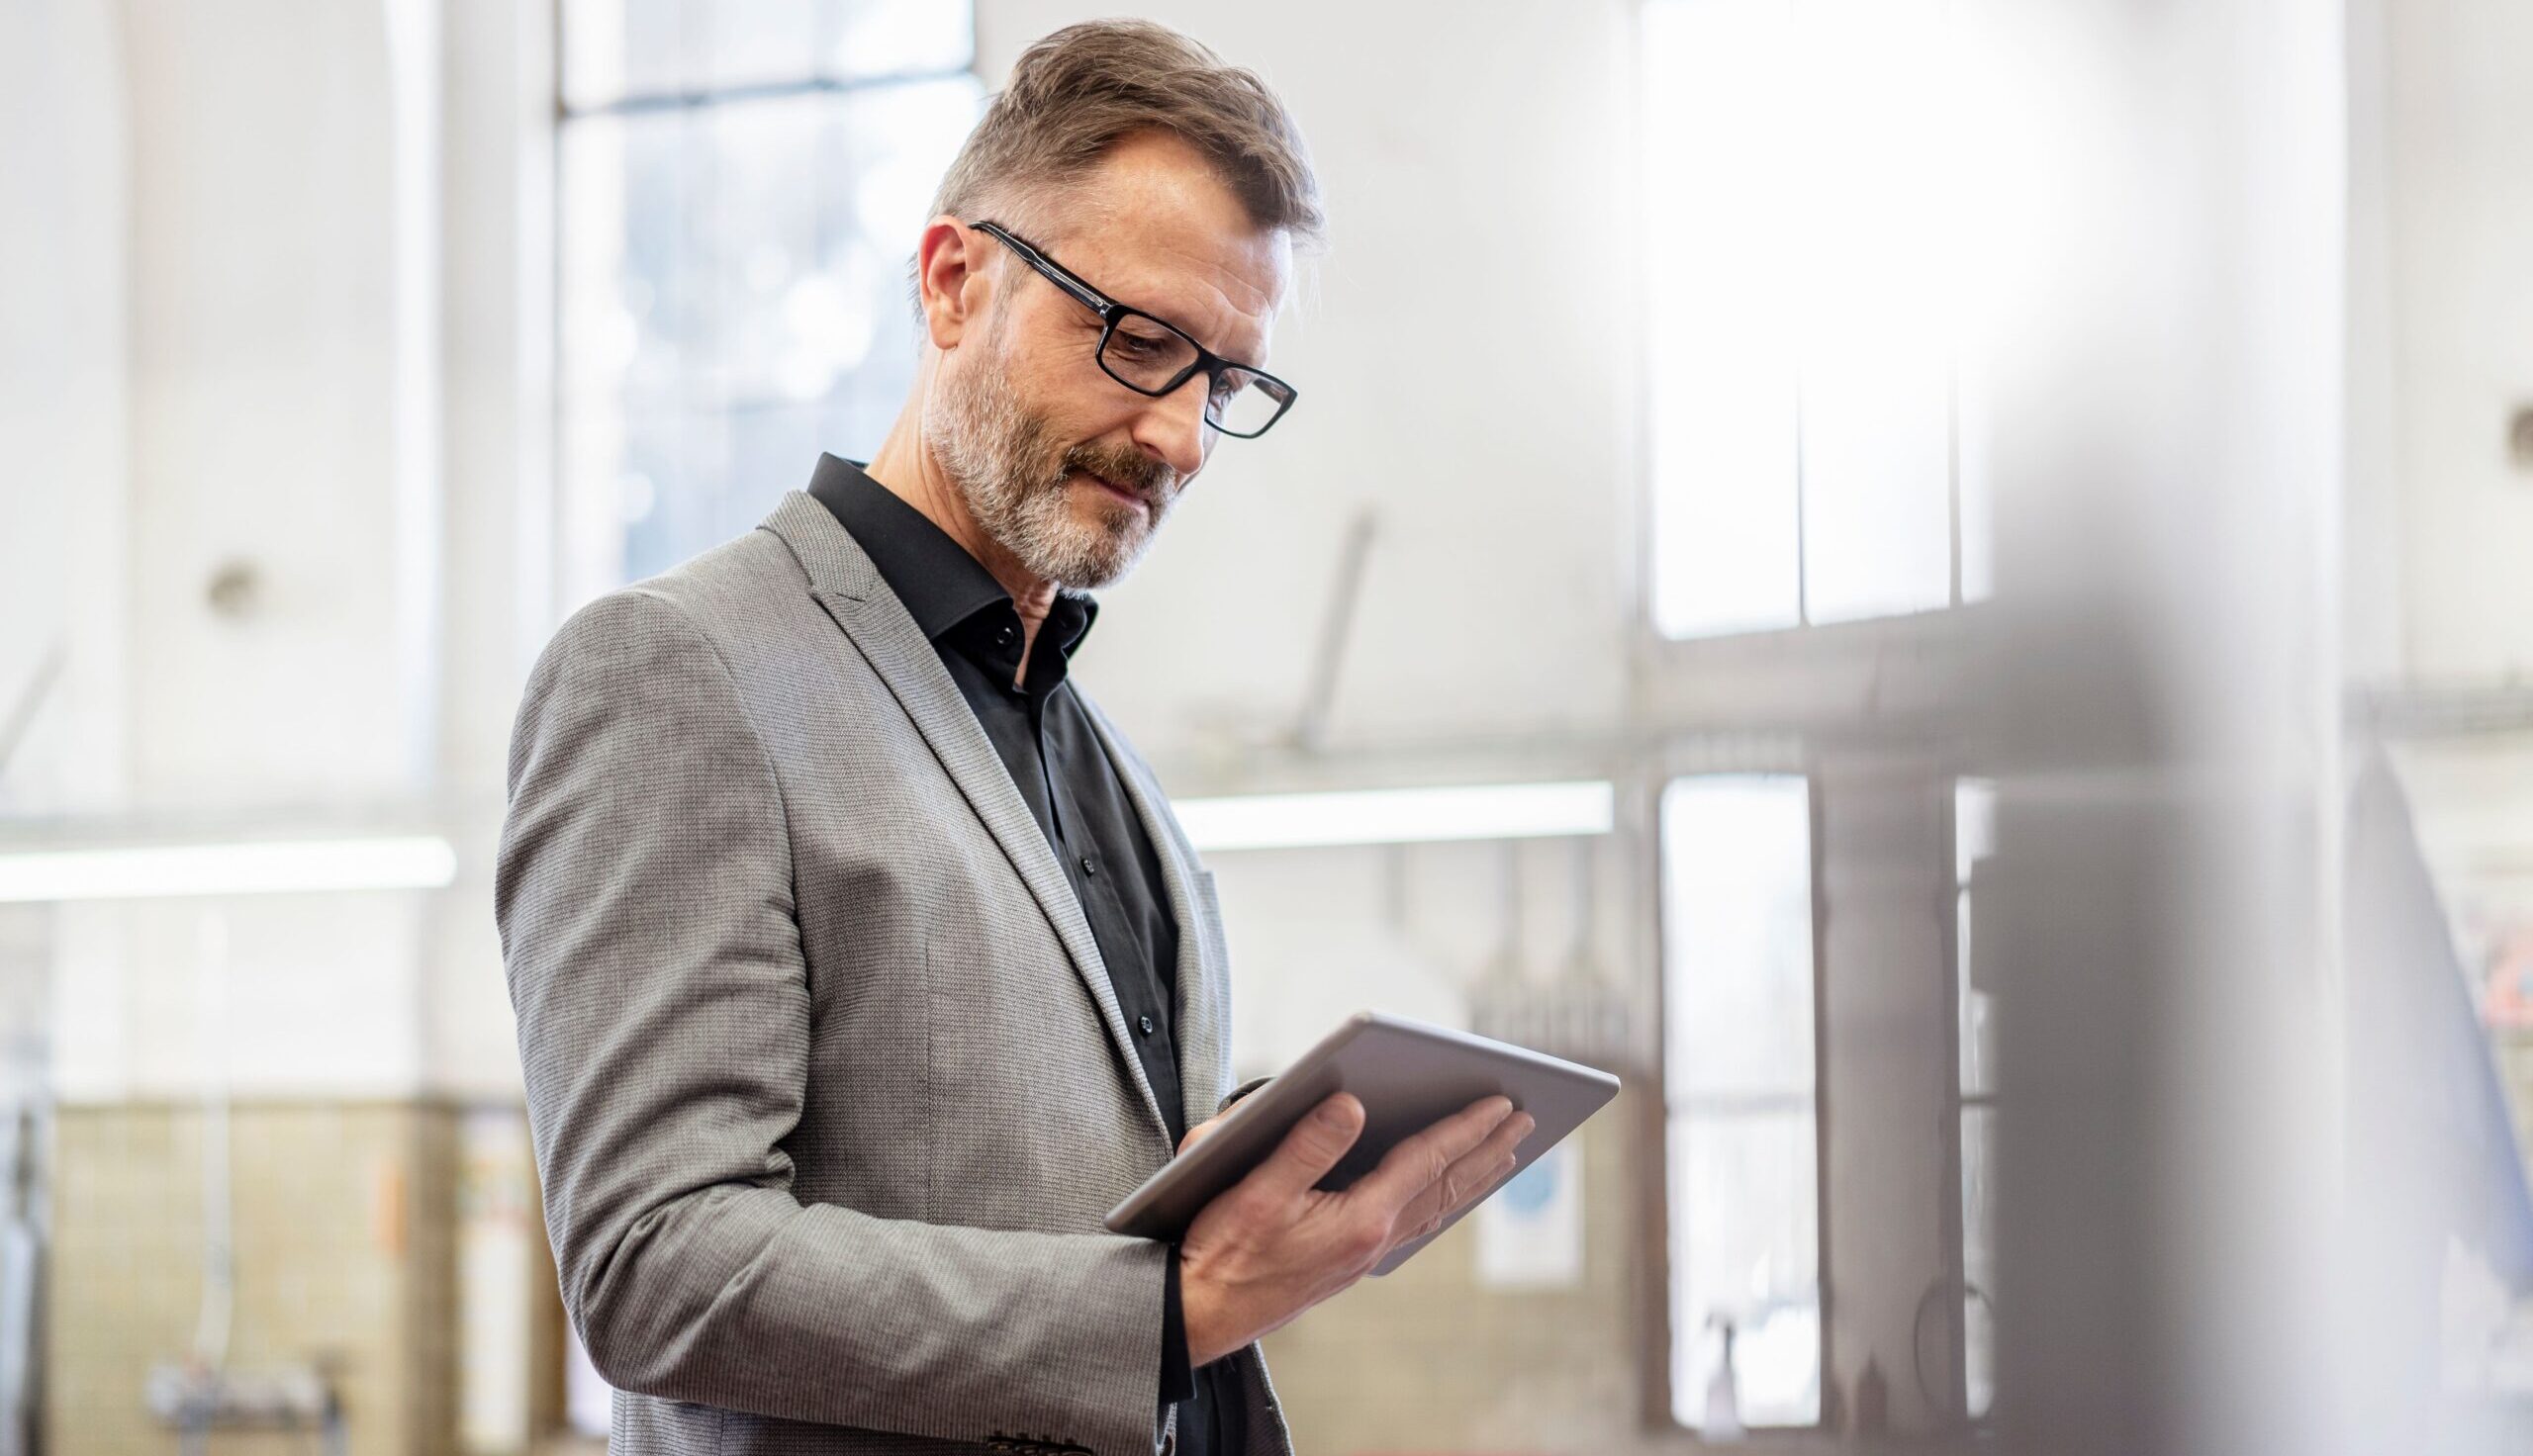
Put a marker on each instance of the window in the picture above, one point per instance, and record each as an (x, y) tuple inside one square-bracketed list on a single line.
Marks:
[(1819, 292), (1974, 834), (740, 183), (1805, 376), (1741, 1100)]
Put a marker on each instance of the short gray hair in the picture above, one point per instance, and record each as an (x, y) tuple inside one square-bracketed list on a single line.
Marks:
[(1085, 88)]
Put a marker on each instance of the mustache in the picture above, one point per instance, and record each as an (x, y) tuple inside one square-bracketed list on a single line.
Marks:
[(1153, 480)]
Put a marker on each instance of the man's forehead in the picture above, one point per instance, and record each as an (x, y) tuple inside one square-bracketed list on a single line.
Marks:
[(1155, 227)]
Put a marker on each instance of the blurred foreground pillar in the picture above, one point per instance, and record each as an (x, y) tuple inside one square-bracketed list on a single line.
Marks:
[(2166, 442)]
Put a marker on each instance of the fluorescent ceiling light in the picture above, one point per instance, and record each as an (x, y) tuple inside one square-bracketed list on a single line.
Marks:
[(1486, 811), (252, 868)]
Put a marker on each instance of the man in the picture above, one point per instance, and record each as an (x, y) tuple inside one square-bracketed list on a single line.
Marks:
[(859, 962)]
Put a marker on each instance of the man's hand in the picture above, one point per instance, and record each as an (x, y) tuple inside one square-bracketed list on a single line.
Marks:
[(1272, 1244)]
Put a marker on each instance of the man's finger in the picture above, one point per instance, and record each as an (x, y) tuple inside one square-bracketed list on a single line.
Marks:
[(1428, 1213), (1470, 1179), (1313, 1147), (1419, 1162)]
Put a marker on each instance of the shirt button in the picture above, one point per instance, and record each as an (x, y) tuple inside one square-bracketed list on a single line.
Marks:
[(1144, 1024), (1089, 868), (1006, 635)]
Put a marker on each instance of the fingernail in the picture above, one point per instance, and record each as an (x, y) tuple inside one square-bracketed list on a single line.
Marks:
[(1333, 1114), (1522, 1122)]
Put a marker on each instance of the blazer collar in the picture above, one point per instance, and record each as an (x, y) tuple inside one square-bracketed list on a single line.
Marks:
[(940, 583)]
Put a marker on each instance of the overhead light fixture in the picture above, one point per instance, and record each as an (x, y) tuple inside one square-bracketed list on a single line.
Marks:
[(247, 868), (1483, 811)]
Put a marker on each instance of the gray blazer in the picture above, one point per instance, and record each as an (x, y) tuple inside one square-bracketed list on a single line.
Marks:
[(829, 1087)]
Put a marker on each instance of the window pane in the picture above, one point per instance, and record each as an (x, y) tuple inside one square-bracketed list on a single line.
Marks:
[(1720, 366), (732, 300), (1979, 1256), (1877, 507), (1977, 484), (613, 49), (1808, 224), (893, 37), (1875, 235), (754, 43), (1974, 838), (1974, 817), (1737, 1004), (1736, 908), (1745, 1253)]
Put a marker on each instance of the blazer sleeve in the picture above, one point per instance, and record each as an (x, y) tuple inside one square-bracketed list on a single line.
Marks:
[(643, 891)]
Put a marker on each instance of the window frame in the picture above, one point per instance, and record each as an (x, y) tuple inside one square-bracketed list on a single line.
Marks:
[(1648, 556), (1958, 1104), (1652, 1137), (1776, 700)]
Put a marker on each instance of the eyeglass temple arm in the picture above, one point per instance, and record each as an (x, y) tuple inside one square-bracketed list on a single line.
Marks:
[(1054, 271)]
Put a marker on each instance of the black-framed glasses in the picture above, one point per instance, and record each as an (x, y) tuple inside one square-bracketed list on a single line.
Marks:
[(1153, 356)]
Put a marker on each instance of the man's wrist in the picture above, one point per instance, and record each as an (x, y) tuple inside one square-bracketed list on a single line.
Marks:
[(1202, 1319)]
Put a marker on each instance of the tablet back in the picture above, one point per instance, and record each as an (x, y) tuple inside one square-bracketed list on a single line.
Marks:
[(1408, 1076)]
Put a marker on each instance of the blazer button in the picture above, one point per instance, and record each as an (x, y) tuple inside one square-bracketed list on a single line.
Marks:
[(1144, 1024)]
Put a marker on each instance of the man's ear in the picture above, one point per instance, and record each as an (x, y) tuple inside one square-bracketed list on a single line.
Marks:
[(950, 280)]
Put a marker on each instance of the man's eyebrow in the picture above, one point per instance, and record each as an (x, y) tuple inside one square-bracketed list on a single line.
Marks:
[(1140, 289), (1247, 357)]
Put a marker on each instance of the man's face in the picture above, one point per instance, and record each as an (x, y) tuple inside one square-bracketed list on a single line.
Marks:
[(1067, 468)]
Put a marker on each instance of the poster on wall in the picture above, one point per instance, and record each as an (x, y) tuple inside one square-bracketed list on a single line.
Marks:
[(1530, 1233)]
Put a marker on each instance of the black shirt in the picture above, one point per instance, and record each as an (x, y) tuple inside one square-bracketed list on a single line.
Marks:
[(1044, 737)]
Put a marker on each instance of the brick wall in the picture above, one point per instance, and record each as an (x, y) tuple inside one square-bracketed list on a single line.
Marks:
[(346, 1219), (344, 1231)]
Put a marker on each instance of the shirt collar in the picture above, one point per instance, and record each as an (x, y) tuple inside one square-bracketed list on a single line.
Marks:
[(940, 583)]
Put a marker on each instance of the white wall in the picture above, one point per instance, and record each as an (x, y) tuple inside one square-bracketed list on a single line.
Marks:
[(266, 405), (63, 398), (498, 316), (1886, 876), (2442, 353), (252, 339), (2457, 117)]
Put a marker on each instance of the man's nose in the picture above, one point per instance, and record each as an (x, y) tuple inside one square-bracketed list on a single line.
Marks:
[(1172, 426)]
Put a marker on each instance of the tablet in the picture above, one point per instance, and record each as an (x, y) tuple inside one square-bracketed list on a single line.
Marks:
[(1408, 1076)]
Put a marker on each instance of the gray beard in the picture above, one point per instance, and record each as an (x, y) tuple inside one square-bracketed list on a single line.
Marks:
[(1008, 467)]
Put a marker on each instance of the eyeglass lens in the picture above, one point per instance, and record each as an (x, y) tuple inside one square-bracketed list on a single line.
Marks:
[(1148, 355)]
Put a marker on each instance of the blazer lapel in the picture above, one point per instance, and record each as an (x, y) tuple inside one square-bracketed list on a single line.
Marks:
[(1202, 1012), (846, 583)]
